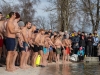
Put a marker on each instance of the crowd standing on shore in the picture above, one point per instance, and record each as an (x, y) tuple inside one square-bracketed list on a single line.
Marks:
[(21, 43)]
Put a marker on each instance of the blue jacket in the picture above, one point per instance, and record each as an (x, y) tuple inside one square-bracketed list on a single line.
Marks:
[(80, 53)]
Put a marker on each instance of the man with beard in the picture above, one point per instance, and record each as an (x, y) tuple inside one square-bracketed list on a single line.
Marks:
[(39, 40), (31, 31), (10, 41), (25, 33)]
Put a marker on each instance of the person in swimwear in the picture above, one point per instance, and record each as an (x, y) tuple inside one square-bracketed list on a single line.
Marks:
[(67, 49), (58, 44), (35, 48), (25, 33), (10, 41), (21, 46), (39, 40), (17, 35)]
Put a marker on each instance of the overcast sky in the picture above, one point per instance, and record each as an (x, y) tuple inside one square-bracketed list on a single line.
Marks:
[(40, 7)]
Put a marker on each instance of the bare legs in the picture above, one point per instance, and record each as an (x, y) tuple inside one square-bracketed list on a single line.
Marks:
[(9, 65), (54, 56), (50, 56), (68, 57), (35, 55), (26, 59), (14, 59), (22, 60), (57, 59), (41, 54), (64, 56)]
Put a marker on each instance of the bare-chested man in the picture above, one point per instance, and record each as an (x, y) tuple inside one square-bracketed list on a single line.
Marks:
[(58, 44), (30, 40), (17, 35), (10, 41), (25, 33), (67, 49), (46, 49), (35, 49), (54, 50), (21, 47), (39, 40)]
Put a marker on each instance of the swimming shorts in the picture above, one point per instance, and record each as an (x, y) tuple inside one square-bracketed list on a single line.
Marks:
[(67, 50), (50, 49), (40, 48), (1, 42), (35, 48), (10, 44), (16, 46), (58, 50), (44, 50), (54, 50), (22, 48)]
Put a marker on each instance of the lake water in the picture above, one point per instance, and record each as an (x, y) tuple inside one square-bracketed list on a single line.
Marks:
[(72, 69)]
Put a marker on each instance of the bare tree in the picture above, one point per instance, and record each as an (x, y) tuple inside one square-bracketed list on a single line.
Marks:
[(92, 8), (52, 21), (27, 9), (65, 9), (41, 22)]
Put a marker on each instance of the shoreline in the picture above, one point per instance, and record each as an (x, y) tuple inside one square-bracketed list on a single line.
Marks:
[(34, 71)]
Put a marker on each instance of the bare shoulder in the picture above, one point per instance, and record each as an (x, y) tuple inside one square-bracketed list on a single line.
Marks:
[(10, 23), (1, 22)]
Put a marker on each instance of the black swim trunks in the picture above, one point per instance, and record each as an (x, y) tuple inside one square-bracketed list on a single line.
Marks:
[(10, 44), (35, 48), (54, 50), (40, 48), (22, 48)]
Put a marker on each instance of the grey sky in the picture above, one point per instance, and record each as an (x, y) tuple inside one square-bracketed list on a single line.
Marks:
[(40, 7)]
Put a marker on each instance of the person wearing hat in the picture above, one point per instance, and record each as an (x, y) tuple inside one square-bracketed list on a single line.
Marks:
[(89, 41), (80, 54)]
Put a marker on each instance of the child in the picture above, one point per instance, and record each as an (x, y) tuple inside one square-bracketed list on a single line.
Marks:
[(98, 50), (80, 54)]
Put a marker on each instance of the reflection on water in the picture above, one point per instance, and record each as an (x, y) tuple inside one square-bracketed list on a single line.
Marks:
[(72, 69)]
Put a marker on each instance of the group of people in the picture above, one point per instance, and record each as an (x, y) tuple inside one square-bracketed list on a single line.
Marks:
[(21, 43), (24, 42)]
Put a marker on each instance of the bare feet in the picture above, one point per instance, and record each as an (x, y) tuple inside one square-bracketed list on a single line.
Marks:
[(34, 66), (10, 70), (16, 67), (27, 66), (22, 67)]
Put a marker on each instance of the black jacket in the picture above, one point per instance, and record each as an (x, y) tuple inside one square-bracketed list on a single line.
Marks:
[(90, 41), (82, 43)]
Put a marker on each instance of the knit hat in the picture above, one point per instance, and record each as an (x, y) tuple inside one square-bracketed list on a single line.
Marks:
[(21, 24), (80, 48)]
